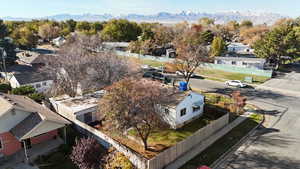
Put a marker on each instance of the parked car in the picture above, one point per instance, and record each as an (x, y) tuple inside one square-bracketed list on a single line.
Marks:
[(157, 76), (235, 83), (147, 68), (185, 73)]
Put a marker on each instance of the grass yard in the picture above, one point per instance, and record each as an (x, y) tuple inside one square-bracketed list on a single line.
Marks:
[(169, 137), (152, 63), (213, 74), (161, 139), (212, 153)]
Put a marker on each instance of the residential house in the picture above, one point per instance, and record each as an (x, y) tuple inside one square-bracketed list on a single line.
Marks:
[(29, 72), (25, 123), (58, 41), (239, 48), (246, 62), (82, 108), (187, 107), (25, 75)]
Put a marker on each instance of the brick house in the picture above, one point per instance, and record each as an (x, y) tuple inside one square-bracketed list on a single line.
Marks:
[(25, 123)]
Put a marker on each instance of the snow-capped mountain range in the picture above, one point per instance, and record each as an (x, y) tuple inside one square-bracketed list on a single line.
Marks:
[(166, 17)]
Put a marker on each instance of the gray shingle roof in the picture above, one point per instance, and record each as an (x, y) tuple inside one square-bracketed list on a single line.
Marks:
[(27, 74), (38, 113), (32, 77), (26, 125), (28, 105)]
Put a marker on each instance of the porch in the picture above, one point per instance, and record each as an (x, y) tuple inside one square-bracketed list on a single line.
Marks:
[(19, 158)]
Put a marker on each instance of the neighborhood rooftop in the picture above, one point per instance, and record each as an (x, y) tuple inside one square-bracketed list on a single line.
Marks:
[(22, 104), (241, 58), (80, 103), (9, 102), (31, 77)]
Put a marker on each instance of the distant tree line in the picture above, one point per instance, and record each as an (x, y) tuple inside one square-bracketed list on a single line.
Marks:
[(146, 38)]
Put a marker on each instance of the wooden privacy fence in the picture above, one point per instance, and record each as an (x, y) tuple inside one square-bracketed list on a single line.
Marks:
[(172, 153), (199, 138), (106, 141)]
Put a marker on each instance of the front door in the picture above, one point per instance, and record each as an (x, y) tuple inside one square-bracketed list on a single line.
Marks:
[(27, 143)]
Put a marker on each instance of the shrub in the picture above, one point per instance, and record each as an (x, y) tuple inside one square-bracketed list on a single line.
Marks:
[(86, 153), (5, 88), (23, 90), (37, 97), (119, 161)]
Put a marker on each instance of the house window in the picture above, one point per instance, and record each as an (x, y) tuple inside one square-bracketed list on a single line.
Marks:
[(88, 117), (183, 112), (1, 144), (196, 108), (167, 111), (245, 63), (44, 83), (38, 85), (219, 61), (233, 62)]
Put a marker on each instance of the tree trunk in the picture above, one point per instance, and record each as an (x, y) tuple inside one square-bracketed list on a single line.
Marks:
[(145, 144)]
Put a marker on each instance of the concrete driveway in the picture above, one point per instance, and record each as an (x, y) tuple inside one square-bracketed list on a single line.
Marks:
[(277, 144)]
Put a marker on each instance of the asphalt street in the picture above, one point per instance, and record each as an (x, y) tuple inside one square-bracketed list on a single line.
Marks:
[(277, 144)]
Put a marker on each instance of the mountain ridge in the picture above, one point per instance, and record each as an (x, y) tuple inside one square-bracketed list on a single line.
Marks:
[(166, 17)]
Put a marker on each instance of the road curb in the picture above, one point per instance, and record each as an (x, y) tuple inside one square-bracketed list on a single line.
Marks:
[(227, 154)]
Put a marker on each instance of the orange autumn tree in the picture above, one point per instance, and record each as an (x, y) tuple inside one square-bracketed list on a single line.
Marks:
[(239, 102), (133, 103)]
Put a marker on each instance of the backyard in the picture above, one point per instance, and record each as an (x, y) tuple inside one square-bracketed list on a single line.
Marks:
[(169, 137), (159, 140)]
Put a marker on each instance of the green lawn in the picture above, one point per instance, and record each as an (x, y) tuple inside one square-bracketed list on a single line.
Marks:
[(169, 137), (219, 75), (152, 63), (212, 153), (211, 74)]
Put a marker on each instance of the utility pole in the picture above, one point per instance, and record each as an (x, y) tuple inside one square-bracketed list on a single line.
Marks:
[(4, 55)]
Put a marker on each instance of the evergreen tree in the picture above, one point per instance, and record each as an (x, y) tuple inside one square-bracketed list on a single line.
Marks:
[(218, 47), (281, 41)]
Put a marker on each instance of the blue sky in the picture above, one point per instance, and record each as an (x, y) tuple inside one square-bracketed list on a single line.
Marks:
[(39, 8)]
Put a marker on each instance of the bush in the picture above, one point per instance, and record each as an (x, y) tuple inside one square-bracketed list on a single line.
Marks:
[(87, 153), (23, 90), (119, 161), (5, 88), (37, 97)]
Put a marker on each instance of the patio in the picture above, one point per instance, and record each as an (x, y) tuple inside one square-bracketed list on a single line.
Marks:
[(17, 161)]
